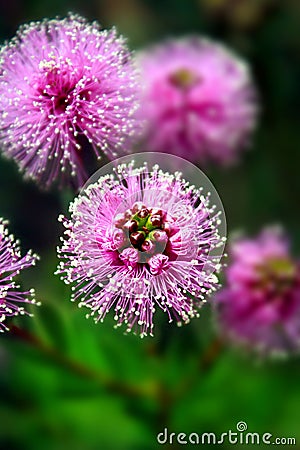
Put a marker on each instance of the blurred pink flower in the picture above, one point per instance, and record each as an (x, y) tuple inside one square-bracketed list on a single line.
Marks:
[(260, 303), (65, 85), (140, 239), (11, 263), (199, 101)]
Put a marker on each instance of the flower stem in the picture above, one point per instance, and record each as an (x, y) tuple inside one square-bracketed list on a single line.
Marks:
[(112, 385)]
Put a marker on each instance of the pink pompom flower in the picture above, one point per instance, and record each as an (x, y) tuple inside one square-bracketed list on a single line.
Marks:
[(11, 264), (65, 86), (259, 306), (199, 101), (138, 239)]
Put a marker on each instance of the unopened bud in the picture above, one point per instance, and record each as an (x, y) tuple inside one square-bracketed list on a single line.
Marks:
[(137, 238), (143, 213), (147, 246), (137, 206), (119, 220), (131, 226), (159, 236)]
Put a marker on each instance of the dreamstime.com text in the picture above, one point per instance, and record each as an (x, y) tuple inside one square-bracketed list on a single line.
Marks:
[(240, 436)]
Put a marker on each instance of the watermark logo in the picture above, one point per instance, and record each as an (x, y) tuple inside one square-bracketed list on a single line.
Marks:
[(238, 436), (241, 426)]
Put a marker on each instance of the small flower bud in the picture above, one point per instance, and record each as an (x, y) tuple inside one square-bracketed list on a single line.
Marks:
[(157, 212), (119, 238), (155, 221), (137, 238), (159, 236), (128, 214), (131, 226), (119, 220), (148, 246), (137, 206), (141, 217), (143, 213)]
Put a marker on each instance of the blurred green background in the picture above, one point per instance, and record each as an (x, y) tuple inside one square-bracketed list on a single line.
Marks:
[(67, 383)]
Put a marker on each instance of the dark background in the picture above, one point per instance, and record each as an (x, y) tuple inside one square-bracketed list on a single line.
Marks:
[(66, 383)]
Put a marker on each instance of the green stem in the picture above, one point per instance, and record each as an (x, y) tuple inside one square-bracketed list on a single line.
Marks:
[(73, 366)]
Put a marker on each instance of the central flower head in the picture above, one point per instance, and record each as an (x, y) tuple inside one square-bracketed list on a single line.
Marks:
[(142, 236), (277, 276), (61, 85), (184, 78)]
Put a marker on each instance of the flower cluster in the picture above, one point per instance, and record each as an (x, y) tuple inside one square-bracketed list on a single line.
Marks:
[(11, 263), (65, 87), (137, 239), (199, 101), (260, 304)]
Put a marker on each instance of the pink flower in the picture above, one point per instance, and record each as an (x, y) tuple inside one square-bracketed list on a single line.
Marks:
[(199, 101), (260, 303), (11, 264), (139, 239), (66, 87)]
